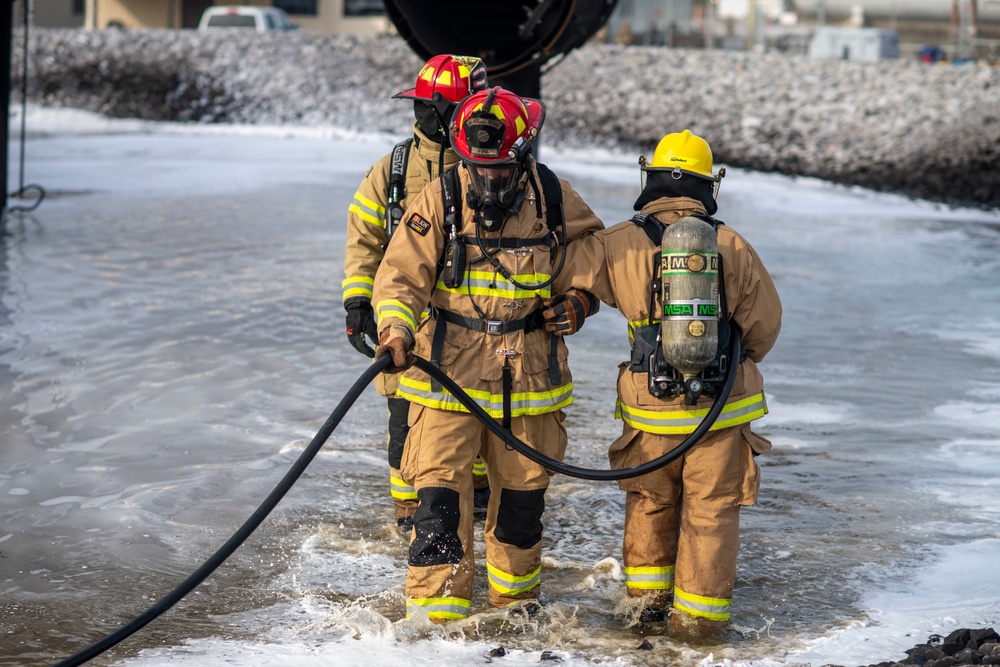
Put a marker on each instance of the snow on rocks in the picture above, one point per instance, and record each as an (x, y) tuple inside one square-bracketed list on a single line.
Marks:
[(928, 131)]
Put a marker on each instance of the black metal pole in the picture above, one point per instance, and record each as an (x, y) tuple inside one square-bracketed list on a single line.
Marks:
[(6, 35)]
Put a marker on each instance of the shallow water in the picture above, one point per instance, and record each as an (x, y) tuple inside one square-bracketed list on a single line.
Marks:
[(171, 339)]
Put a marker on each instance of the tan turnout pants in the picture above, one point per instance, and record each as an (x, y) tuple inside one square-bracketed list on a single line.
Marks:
[(682, 522), (438, 463)]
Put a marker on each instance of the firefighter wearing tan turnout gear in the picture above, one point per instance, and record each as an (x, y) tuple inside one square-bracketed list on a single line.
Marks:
[(372, 217), (682, 522), (486, 332)]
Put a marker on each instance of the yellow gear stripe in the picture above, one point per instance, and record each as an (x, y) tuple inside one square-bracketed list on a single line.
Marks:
[(370, 211), (357, 286), (449, 608), (670, 422), (512, 584), (400, 490), (478, 467), (522, 403), (649, 578), (714, 609), (392, 308), (488, 283)]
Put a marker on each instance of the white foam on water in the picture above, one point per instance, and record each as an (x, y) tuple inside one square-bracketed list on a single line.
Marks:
[(957, 590)]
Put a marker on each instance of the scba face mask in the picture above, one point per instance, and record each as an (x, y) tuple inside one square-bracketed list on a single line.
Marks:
[(495, 193)]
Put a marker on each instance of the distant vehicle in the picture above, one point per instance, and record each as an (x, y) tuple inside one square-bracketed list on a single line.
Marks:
[(261, 19)]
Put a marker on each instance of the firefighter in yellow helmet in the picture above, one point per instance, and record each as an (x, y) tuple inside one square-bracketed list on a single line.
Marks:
[(394, 181), (682, 521), (486, 244)]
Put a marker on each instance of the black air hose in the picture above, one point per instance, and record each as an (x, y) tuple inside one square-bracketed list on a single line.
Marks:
[(306, 457)]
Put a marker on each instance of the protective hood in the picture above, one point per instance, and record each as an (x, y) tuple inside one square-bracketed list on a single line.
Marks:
[(660, 184)]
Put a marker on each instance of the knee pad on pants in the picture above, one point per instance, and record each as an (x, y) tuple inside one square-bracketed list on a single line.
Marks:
[(399, 411), (519, 518), (435, 526)]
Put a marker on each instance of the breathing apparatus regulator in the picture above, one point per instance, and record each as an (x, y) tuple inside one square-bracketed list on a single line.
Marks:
[(685, 356)]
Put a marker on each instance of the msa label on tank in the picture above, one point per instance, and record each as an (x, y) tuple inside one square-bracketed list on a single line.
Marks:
[(690, 262), (695, 309)]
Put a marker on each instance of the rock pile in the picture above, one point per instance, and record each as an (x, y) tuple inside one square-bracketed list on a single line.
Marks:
[(961, 647), (928, 131)]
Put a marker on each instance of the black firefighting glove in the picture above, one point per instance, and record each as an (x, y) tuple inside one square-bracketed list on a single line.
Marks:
[(564, 314), (361, 322)]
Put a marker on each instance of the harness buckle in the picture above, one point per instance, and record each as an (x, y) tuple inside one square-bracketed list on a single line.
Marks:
[(494, 327), (520, 252), (507, 353)]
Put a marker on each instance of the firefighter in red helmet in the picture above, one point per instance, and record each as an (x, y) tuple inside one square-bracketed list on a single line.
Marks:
[(374, 213), (485, 244)]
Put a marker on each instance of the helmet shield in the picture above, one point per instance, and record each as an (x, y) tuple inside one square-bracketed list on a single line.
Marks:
[(484, 137)]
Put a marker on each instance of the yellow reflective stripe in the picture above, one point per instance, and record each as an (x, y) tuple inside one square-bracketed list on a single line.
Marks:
[(357, 286), (489, 283), (669, 422), (368, 210), (392, 308), (521, 403), (632, 326), (400, 490), (714, 609), (439, 607), (478, 467), (649, 578), (512, 584)]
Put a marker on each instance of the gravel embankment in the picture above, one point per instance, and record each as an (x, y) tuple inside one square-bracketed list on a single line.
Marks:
[(927, 131)]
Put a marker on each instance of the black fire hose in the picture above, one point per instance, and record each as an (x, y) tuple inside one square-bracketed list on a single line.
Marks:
[(306, 457), (735, 351), (241, 535)]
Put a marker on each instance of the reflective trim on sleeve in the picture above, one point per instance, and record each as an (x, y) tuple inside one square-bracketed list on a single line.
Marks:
[(669, 422), (371, 212), (512, 584), (521, 403), (397, 309), (489, 283), (649, 578), (400, 490), (357, 286), (478, 467), (450, 608), (714, 609)]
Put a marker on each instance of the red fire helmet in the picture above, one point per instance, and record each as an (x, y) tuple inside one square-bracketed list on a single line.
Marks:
[(447, 78), (488, 125)]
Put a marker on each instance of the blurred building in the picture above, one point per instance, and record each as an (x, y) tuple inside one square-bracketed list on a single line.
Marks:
[(357, 17)]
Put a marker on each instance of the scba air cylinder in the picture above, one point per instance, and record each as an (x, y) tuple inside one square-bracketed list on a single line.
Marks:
[(689, 329)]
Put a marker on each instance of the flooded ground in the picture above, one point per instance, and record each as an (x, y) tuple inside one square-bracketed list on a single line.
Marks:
[(171, 337)]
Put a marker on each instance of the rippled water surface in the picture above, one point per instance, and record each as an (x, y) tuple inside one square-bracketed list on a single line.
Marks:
[(171, 337)]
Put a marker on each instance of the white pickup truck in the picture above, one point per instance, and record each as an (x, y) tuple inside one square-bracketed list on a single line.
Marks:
[(261, 19)]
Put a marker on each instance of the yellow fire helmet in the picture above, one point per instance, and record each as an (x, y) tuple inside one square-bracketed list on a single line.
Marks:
[(683, 151)]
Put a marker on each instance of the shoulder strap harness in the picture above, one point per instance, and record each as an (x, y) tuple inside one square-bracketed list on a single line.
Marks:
[(397, 185), (452, 267)]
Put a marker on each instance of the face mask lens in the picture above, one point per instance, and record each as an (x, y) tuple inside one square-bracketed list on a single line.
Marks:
[(643, 177), (490, 182)]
